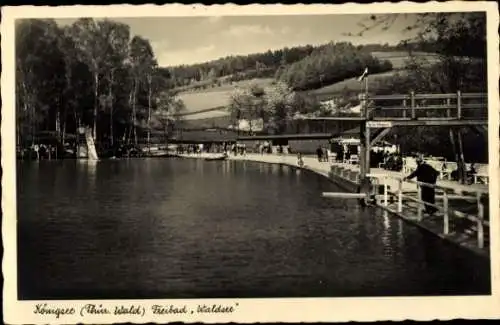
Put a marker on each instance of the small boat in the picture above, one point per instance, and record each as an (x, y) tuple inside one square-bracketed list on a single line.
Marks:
[(160, 154), (224, 157)]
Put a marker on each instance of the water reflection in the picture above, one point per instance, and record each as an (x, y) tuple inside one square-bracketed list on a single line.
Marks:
[(386, 234), (162, 228), (400, 233)]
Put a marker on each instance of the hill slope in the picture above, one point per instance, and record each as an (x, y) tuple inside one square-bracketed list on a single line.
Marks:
[(217, 96)]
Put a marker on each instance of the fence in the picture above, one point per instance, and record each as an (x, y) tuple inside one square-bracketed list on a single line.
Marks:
[(445, 209), (433, 106)]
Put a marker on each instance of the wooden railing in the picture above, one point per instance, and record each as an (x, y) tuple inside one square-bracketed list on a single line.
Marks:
[(418, 106), (448, 213)]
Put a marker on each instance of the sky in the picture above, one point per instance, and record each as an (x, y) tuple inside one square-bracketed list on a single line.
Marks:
[(188, 40)]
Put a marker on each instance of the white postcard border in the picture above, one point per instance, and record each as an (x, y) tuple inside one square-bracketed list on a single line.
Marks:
[(246, 310)]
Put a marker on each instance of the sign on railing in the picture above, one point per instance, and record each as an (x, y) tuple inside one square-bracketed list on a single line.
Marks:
[(379, 124)]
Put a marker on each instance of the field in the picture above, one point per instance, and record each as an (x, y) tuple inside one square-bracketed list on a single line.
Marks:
[(353, 85), (400, 59), (199, 100)]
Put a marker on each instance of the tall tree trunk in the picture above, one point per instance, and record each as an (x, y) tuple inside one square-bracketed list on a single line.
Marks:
[(96, 103), (134, 113), (33, 124), (66, 100), (111, 138), (78, 125), (149, 112), (63, 133), (58, 124), (63, 123), (128, 130)]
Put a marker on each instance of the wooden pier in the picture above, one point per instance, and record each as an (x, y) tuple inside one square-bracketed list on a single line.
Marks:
[(462, 217), (380, 113)]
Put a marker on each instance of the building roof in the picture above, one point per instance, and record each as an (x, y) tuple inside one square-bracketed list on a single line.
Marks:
[(349, 133), (308, 136), (201, 136)]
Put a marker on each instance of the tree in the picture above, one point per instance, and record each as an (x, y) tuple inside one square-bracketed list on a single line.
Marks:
[(274, 105), (91, 47), (143, 64), (168, 113), (39, 76), (69, 76), (116, 39), (280, 105)]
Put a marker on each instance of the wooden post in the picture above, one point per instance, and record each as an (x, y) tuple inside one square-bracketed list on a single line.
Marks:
[(480, 226), (448, 110), (386, 199), (463, 170), (364, 153), (419, 207), (457, 156), (368, 149), (404, 108), (459, 105), (446, 217), (412, 105), (400, 195)]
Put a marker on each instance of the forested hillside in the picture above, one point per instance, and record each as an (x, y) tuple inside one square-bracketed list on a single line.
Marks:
[(272, 63)]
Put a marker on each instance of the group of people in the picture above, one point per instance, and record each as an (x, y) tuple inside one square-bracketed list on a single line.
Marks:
[(387, 160), (42, 152), (234, 148), (322, 154)]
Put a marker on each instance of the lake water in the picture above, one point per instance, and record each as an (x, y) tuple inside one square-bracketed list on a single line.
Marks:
[(171, 228)]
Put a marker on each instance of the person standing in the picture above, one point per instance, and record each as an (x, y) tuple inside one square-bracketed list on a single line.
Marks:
[(425, 173), (300, 161), (319, 152)]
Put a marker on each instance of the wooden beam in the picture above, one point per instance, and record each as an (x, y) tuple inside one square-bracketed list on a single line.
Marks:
[(459, 105), (335, 118), (412, 105), (342, 195), (362, 151), (367, 151), (379, 136), (463, 176), (480, 129), (430, 122)]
